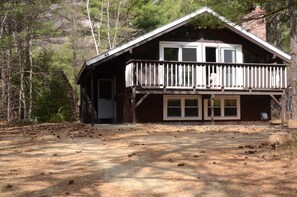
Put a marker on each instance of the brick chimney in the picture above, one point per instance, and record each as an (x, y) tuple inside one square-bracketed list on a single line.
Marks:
[(255, 23)]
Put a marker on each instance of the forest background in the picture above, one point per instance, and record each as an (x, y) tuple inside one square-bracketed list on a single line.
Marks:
[(44, 43)]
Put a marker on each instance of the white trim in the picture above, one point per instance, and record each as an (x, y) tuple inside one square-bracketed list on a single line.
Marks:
[(179, 22), (219, 49), (223, 117), (182, 98), (179, 45)]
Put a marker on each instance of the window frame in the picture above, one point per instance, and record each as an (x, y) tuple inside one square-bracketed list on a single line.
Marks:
[(220, 47), (182, 98), (223, 117), (180, 46)]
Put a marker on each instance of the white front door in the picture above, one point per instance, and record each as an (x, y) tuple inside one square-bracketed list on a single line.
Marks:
[(106, 104)]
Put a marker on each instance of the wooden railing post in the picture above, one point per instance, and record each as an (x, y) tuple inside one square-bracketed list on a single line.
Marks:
[(194, 77), (165, 75), (134, 81), (223, 77)]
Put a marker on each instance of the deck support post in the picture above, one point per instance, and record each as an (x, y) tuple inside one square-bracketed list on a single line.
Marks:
[(212, 108), (92, 99), (133, 99), (283, 110)]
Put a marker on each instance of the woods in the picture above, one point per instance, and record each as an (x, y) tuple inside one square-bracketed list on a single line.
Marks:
[(43, 44)]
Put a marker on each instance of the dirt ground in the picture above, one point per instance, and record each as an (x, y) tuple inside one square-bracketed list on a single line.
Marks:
[(145, 160)]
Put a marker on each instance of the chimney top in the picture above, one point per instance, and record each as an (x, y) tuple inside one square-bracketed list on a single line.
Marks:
[(255, 23)]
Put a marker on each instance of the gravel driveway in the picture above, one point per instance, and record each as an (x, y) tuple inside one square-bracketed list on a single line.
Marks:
[(143, 160)]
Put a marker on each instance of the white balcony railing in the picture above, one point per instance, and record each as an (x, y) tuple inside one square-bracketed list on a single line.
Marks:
[(201, 75)]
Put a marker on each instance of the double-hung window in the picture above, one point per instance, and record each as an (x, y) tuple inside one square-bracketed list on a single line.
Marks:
[(180, 74), (225, 107), (179, 107), (228, 54)]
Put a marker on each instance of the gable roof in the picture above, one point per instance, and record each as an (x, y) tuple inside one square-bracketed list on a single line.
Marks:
[(178, 23)]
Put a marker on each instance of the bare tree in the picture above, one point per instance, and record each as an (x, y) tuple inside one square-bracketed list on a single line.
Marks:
[(114, 42), (108, 24), (87, 4), (30, 46), (22, 97)]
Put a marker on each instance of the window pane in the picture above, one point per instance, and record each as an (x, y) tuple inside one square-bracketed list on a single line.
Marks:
[(189, 54), (191, 112), (171, 54), (105, 89), (217, 112), (230, 102), (229, 56), (173, 102), (210, 54), (230, 112), (216, 102), (173, 112), (191, 102)]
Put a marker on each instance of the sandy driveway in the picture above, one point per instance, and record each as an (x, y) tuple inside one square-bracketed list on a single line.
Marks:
[(143, 160)]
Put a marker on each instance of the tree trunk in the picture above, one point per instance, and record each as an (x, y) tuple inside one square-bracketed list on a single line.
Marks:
[(22, 98), (8, 86), (293, 69), (108, 24), (3, 70), (91, 26), (100, 25), (74, 46), (30, 79), (3, 86), (114, 42)]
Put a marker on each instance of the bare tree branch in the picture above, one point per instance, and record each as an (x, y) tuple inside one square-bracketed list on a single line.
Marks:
[(117, 25)]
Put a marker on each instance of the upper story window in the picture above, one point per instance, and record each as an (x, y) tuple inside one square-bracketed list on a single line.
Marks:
[(201, 52), (180, 51), (220, 52)]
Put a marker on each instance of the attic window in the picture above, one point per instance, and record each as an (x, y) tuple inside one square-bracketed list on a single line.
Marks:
[(179, 51)]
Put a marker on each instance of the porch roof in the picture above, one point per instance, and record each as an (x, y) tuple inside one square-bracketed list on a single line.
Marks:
[(178, 23)]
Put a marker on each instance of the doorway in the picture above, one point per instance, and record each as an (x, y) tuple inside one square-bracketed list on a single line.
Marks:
[(106, 101)]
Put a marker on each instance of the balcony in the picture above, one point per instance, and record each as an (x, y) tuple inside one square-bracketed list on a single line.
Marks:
[(143, 74)]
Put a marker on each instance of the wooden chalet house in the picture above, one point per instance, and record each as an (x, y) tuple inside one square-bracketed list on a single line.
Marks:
[(184, 71)]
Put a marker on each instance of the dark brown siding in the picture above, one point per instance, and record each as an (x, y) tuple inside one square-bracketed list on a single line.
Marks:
[(151, 109), (253, 106), (252, 52), (86, 108)]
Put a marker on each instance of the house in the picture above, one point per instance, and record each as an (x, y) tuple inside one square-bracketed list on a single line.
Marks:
[(184, 71)]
